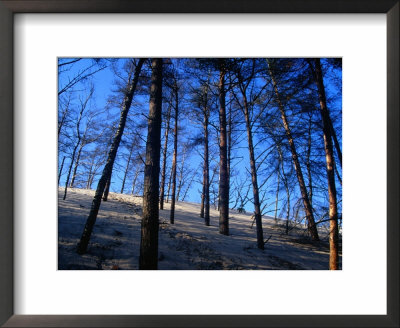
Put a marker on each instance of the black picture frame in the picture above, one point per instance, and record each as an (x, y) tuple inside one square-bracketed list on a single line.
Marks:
[(7, 10)]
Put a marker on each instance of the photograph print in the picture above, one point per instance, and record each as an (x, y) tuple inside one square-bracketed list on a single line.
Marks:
[(199, 163)]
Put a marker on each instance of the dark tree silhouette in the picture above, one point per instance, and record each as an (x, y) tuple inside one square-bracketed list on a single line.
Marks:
[(165, 149), (78, 141), (149, 231), (223, 166), (307, 206), (174, 158), (107, 171), (243, 84)]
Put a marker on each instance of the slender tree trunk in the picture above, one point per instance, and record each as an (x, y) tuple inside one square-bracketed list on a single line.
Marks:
[(229, 147), (286, 184), (287, 209), (181, 177), (149, 232), (205, 197), (308, 163), (203, 193), (61, 168), (335, 140), (88, 182), (70, 167), (107, 188), (223, 171), (165, 149), (328, 118), (253, 169), (134, 181), (76, 165), (206, 174), (188, 186), (327, 129), (127, 167), (277, 196), (64, 116), (306, 202), (169, 186), (172, 211), (107, 171)]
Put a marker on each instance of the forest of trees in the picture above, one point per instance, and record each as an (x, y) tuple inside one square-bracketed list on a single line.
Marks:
[(257, 135)]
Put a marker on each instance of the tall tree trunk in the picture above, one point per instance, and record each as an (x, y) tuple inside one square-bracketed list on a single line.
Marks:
[(107, 188), (308, 163), (172, 211), (206, 174), (61, 168), (306, 202), (328, 118), (149, 231), (223, 171), (76, 165), (327, 128), (253, 170), (165, 149), (229, 146), (286, 184), (107, 171), (127, 167), (205, 199)]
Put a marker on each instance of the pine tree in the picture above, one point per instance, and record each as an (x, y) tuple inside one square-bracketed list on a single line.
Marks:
[(149, 231)]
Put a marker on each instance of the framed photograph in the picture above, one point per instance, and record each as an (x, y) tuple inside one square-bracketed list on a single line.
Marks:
[(60, 111)]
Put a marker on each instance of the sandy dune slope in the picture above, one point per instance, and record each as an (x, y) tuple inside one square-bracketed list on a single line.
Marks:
[(186, 245)]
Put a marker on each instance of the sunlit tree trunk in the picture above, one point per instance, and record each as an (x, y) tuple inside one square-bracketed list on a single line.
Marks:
[(165, 149), (223, 203), (306, 202), (327, 128), (107, 171), (149, 231)]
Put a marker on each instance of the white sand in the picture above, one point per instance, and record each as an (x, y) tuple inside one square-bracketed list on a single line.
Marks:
[(186, 245)]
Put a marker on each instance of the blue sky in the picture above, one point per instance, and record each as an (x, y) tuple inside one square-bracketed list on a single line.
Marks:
[(104, 87)]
